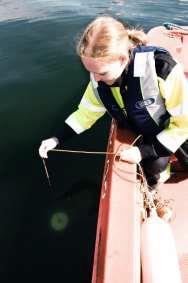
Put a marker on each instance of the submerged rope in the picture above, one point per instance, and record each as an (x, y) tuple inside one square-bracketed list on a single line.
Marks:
[(46, 171)]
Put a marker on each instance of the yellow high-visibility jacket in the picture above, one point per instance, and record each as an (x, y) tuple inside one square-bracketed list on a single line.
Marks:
[(174, 91)]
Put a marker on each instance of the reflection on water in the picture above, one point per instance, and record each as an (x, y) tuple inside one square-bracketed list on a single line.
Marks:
[(33, 10), (146, 12)]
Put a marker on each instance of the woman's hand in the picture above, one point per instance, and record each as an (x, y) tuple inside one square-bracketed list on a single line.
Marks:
[(47, 145), (131, 155)]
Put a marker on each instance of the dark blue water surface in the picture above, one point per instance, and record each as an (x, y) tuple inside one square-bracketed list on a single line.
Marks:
[(48, 234)]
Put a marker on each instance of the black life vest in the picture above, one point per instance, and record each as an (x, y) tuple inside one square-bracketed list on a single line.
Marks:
[(139, 105)]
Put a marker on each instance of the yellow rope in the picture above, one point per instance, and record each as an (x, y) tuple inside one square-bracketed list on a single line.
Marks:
[(84, 152), (94, 152)]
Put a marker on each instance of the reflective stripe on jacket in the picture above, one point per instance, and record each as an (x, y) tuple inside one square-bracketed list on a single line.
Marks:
[(156, 99)]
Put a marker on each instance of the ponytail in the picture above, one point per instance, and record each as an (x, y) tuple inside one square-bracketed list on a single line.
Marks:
[(137, 37)]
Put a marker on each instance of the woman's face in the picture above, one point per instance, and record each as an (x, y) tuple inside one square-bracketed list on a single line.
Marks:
[(103, 70)]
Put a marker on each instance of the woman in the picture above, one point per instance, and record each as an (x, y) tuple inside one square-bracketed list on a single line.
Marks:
[(140, 86)]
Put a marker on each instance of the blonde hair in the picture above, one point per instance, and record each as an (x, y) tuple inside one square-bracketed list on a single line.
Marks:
[(109, 38)]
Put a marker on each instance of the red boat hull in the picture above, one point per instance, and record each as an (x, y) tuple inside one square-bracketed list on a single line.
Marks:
[(117, 248)]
